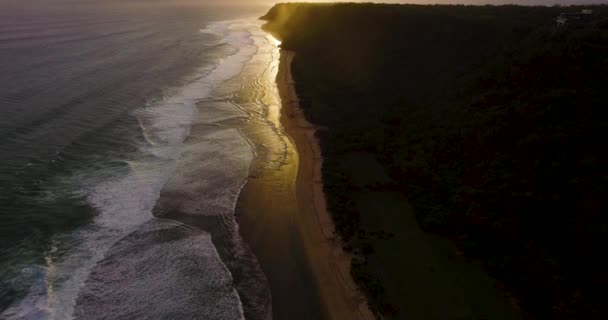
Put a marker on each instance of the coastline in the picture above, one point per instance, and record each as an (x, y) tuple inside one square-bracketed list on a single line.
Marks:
[(423, 275), (329, 262), (267, 208)]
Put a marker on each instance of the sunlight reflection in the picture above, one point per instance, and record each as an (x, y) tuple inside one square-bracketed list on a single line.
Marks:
[(274, 41)]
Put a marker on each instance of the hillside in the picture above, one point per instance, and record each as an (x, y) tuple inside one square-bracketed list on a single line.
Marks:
[(486, 120)]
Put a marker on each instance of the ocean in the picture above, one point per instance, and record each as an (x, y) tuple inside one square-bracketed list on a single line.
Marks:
[(122, 156)]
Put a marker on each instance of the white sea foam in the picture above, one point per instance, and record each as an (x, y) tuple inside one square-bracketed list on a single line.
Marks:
[(124, 200), (161, 269)]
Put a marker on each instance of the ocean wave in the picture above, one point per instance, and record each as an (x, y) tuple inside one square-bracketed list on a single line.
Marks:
[(124, 199)]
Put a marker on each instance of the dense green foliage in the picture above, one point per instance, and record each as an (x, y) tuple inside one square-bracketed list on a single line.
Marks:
[(488, 118)]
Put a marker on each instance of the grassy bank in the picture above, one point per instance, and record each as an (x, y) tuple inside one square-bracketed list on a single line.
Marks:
[(486, 120)]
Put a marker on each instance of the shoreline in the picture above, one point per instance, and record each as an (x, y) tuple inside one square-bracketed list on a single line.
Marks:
[(330, 264)]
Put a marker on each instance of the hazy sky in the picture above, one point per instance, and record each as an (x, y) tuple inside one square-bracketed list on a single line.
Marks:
[(271, 2), (525, 2)]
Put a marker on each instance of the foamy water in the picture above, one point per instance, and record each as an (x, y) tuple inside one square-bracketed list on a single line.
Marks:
[(190, 163)]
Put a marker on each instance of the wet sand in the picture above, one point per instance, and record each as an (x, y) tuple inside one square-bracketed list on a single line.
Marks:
[(283, 218), (331, 264)]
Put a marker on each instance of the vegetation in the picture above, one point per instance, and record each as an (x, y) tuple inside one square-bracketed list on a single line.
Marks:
[(487, 118)]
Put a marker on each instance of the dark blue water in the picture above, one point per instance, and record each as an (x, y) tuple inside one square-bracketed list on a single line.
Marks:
[(96, 101)]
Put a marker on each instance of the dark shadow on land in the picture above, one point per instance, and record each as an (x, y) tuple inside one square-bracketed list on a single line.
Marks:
[(488, 121)]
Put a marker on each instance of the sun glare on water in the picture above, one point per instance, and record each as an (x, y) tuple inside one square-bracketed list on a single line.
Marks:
[(274, 41)]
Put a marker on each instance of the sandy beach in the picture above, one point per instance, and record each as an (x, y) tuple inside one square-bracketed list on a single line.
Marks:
[(330, 264), (282, 215)]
